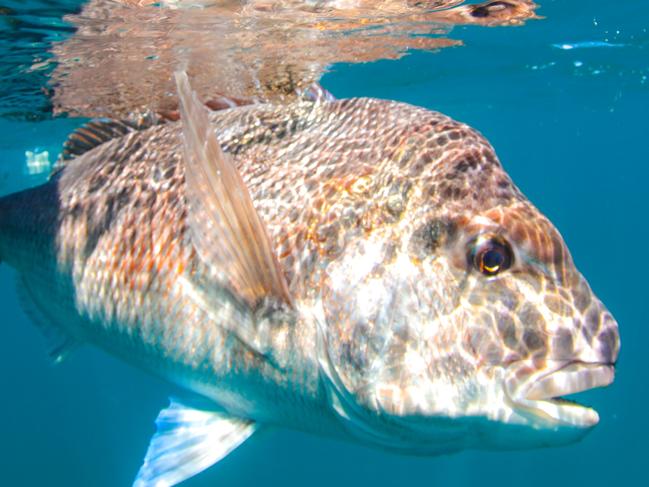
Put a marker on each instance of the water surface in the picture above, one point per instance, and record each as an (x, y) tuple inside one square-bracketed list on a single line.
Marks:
[(570, 126)]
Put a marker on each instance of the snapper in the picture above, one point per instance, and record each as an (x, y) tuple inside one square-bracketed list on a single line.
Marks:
[(362, 269)]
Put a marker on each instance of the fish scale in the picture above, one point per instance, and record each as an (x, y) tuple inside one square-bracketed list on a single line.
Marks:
[(357, 268)]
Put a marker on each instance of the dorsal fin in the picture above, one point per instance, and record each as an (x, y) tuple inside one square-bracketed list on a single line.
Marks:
[(101, 130), (315, 93)]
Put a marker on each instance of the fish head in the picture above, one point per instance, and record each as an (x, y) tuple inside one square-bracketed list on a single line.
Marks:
[(463, 321)]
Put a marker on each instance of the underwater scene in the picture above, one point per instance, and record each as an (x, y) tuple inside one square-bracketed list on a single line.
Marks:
[(443, 337)]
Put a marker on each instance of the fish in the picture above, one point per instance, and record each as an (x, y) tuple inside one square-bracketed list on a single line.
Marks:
[(360, 269)]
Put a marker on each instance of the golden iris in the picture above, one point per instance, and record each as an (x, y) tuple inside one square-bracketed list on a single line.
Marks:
[(492, 256)]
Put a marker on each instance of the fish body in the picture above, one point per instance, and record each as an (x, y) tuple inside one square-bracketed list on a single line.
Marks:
[(360, 268)]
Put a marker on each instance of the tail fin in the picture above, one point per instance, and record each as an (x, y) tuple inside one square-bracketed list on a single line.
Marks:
[(28, 230), (27, 223)]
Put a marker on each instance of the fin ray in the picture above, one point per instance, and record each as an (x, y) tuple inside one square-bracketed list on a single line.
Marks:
[(224, 226), (316, 93), (188, 441), (99, 131)]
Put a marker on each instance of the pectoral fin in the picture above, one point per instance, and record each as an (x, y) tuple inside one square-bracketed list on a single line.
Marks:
[(187, 442), (224, 226)]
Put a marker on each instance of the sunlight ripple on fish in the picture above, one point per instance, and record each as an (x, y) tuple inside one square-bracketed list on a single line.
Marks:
[(362, 269)]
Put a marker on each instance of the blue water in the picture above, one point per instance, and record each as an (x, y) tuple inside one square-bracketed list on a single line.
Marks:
[(570, 126)]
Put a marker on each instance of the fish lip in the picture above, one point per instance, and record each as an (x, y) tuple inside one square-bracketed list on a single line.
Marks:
[(538, 397)]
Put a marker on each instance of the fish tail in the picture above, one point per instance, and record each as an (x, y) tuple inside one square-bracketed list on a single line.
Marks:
[(27, 223)]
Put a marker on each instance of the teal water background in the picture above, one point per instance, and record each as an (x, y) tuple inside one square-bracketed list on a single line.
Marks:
[(570, 126)]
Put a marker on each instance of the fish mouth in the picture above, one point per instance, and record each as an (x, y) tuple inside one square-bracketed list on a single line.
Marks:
[(540, 396)]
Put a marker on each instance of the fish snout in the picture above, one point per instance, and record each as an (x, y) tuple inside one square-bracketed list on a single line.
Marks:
[(607, 341), (579, 326), (582, 349), (599, 335)]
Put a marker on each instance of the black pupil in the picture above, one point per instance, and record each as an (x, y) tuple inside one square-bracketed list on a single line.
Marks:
[(490, 256), (493, 259)]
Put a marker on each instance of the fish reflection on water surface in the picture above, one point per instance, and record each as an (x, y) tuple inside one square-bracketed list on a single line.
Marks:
[(359, 268), (121, 59)]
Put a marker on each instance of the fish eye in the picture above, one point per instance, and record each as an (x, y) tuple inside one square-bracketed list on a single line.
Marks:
[(491, 255)]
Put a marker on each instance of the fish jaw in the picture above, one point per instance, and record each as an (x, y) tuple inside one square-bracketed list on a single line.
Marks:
[(499, 416), (538, 397), (525, 409)]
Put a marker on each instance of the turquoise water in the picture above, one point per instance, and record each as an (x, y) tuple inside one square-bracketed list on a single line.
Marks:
[(570, 126)]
